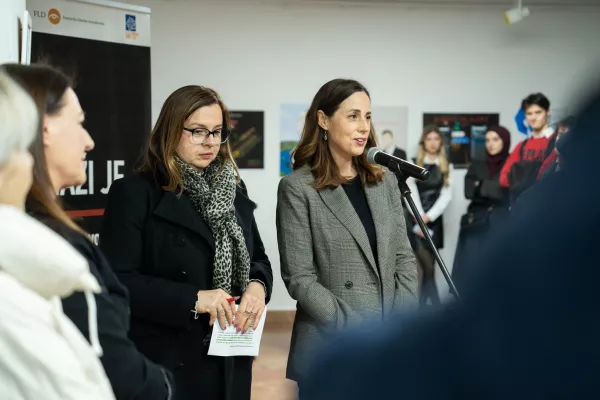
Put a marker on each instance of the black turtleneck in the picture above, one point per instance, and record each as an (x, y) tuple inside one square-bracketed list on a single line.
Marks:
[(355, 192)]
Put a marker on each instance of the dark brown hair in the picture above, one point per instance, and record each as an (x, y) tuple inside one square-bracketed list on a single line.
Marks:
[(159, 157), (537, 99), (313, 150), (47, 86)]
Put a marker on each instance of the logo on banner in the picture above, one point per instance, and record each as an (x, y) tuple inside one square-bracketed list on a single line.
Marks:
[(54, 16), (130, 27)]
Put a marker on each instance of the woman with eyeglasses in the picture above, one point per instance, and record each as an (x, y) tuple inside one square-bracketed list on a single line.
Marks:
[(181, 235)]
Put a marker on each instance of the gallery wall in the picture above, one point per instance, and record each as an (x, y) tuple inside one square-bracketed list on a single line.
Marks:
[(11, 11), (268, 57)]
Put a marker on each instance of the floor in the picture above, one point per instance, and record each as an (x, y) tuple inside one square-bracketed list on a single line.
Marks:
[(268, 380)]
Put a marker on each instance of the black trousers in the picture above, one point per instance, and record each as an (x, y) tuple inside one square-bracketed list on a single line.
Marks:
[(426, 261)]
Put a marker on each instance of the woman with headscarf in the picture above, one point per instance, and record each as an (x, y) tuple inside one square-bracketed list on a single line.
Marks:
[(489, 202)]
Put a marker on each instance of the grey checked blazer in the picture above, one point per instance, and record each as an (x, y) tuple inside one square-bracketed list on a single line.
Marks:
[(327, 263)]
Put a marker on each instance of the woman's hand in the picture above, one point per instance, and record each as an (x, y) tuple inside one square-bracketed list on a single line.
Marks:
[(251, 307), (420, 233), (219, 304)]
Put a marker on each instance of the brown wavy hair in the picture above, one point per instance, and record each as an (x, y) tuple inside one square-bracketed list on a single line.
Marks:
[(313, 150), (47, 86), (443, 159), (159, 157)]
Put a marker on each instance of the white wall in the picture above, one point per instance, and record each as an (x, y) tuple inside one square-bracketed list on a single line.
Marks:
[(11, 11), (447, 60)]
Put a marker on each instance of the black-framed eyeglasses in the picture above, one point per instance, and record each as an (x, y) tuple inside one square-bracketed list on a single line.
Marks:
[(199, 135)]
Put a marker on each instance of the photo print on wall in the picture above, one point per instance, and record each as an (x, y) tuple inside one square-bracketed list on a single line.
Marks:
[(391, 129), (464, 134), (247, 139), (291, 119)]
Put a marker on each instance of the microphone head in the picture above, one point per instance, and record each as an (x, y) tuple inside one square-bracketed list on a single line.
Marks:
[(371, 154)]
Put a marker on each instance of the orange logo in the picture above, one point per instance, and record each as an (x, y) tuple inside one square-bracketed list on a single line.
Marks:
[(54, 16)]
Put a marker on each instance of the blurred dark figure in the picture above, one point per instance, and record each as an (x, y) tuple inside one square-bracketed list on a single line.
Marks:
[(552, 162), (527, 326)]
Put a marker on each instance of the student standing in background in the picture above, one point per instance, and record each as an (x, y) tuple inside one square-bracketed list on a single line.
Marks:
[(489, 202), (522, 166), (431, 198)]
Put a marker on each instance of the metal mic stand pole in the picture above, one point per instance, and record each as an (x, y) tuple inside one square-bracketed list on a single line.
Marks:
[(405, 192)]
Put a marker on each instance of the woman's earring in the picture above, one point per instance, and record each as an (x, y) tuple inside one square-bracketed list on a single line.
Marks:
[(325, 135)]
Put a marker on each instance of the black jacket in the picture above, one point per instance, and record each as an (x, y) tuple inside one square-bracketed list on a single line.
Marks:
[(400, 153), (162, 250), (131, 375), (482, 190)]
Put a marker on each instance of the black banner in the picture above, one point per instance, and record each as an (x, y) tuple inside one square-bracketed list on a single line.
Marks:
[(112, 81)]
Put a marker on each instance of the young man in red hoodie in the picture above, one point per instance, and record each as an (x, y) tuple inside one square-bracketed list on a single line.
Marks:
[(529, 154)]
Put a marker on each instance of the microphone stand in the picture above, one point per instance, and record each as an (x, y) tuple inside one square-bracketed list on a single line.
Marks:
[(405, 192)]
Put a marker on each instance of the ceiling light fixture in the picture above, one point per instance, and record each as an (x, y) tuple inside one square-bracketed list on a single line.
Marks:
[(516, 14)]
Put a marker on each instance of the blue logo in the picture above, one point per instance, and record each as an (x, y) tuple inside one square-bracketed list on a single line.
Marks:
[(130, 24), (521, 122)]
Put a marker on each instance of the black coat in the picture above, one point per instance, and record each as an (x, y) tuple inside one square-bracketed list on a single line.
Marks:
[(162, 250), (484, 191), (488, 208), (398, 152), (131, 375)]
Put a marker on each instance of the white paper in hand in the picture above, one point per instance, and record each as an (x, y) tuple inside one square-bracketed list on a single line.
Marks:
[(228, 342)]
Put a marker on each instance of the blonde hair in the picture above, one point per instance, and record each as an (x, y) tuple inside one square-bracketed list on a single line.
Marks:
[(19, 118), (442, 158)]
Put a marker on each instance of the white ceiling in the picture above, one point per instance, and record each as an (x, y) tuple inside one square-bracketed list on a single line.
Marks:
[(503, 3), (507, 3), (471, 2)]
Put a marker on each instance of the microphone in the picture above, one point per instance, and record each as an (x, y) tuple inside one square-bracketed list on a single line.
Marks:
[(376, 156)]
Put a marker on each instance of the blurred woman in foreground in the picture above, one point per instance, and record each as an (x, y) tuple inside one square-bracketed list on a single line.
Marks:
[(44, 356), (59, 151)]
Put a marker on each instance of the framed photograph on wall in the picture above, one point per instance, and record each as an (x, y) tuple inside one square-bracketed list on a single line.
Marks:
[(464, 134), (291, 124), (248, 138)]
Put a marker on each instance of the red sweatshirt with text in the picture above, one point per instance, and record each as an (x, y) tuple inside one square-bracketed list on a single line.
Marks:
[(534, 150)]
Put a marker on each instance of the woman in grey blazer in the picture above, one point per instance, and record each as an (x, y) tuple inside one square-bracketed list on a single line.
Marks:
[(345, 254)]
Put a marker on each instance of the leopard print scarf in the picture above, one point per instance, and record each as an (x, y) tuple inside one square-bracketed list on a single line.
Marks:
[(212, 194)]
